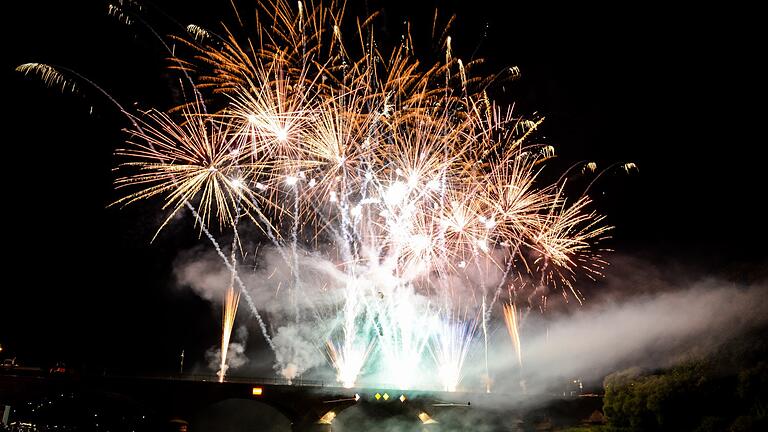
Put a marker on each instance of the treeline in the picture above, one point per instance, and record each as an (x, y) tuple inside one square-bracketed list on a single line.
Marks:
[(724, 391)]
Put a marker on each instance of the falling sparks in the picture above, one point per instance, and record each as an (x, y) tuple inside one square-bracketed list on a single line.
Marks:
[(198, 32), (511, 319), (231, 300), (48, 74), (630, 166)]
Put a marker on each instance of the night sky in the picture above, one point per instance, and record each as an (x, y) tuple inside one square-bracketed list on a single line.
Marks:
[(671, 90)]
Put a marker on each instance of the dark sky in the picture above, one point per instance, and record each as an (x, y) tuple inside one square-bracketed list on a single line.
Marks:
[(672, 90)]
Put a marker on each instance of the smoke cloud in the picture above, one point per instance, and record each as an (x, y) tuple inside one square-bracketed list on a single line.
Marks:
[(236, 356), (273, 286), (296, 350), (641, 315), (647, 316)]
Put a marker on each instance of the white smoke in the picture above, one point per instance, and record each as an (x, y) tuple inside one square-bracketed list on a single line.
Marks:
[(270, 280), (640, 315), (668, 323), (296, 350), (204, 273), (236, 356)]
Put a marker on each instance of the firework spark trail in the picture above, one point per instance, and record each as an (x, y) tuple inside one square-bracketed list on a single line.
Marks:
[(295, 253), (450, 346), (230, 303), (233, 270), (48, 74), (231, 300), (513, 328), (484, 322), (268, 229), (501, 283), (349, 356)]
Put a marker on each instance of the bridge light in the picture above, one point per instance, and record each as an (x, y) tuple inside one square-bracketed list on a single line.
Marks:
[(257, 391), (357, 397), (327, 418), (377, 396), (402, 398), (426, 419), (386, 396)]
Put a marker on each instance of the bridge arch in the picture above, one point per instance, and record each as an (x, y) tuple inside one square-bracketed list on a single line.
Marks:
[(384, 417), (239, 415)]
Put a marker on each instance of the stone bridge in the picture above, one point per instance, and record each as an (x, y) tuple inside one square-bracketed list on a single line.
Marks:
[(307, 406)]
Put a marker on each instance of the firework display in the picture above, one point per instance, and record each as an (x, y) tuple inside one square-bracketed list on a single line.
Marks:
[(421, 194)]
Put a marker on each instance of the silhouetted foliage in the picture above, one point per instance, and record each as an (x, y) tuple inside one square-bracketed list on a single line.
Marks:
[(723, 391)]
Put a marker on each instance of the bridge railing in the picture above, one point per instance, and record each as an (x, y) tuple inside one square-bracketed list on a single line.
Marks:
[(235, 379), (299, 382)]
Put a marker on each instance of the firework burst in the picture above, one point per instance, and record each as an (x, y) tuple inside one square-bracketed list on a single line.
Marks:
[(409, 174)]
